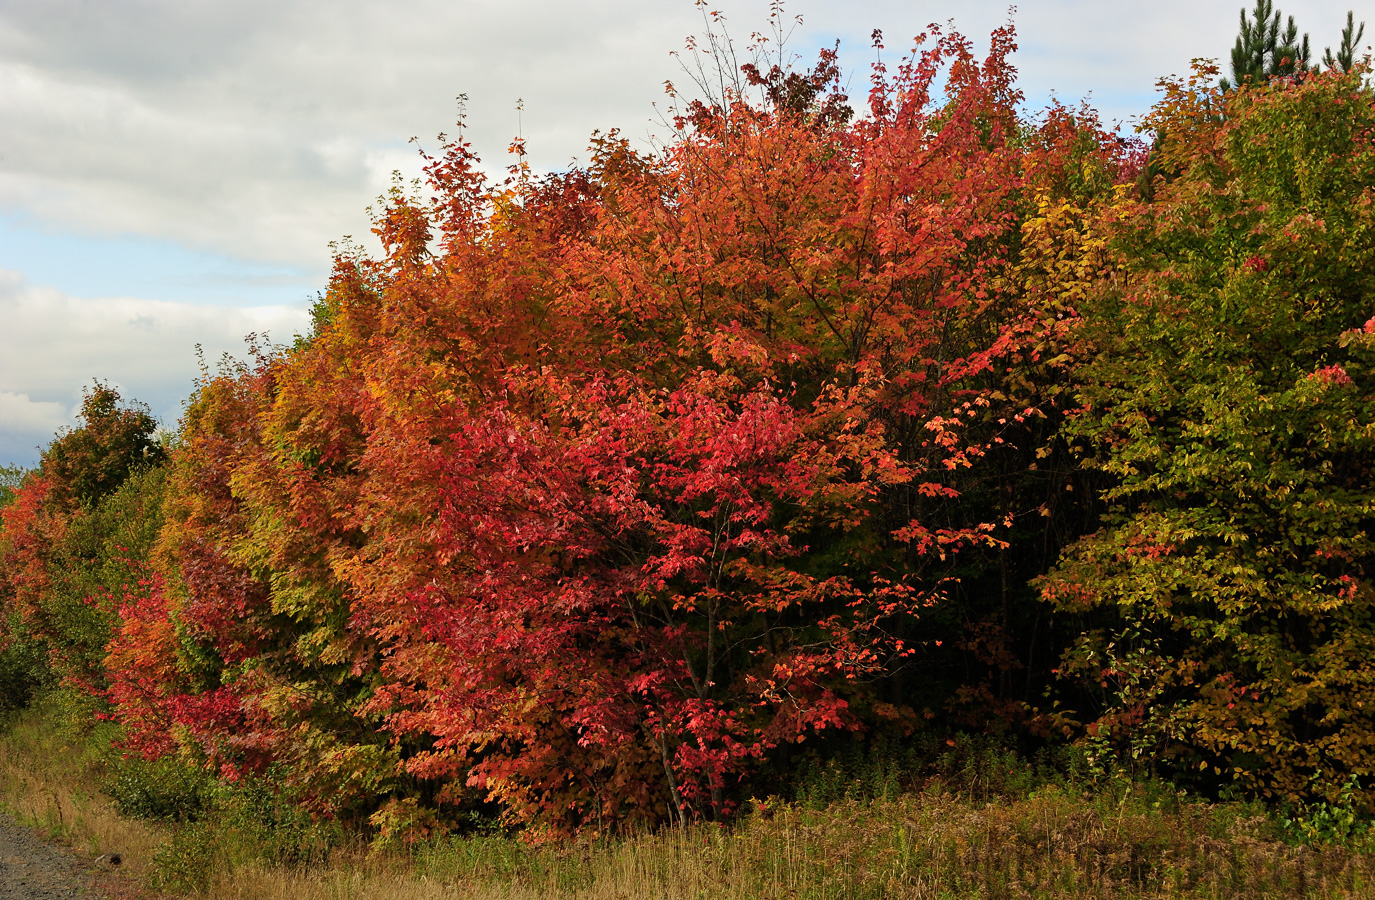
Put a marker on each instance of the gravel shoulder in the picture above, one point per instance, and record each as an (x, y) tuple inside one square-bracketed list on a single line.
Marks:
[(33, 870)]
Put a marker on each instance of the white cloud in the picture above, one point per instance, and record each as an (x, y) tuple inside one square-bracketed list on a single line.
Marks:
[(54, 345), (262, 128), (264, 133), (19, 413), (26, 425)]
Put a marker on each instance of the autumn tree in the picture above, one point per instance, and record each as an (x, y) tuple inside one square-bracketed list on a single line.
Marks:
[(87, 463), (70, 532), (1227, 395), (600, 489), (22, 671)]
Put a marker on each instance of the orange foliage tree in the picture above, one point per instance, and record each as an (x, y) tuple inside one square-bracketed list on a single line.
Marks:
[(598, 488)]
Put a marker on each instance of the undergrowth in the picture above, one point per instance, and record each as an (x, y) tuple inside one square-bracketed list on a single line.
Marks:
[(934, 819)]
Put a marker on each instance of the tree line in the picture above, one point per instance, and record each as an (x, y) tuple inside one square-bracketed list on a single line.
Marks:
[(610, 497)]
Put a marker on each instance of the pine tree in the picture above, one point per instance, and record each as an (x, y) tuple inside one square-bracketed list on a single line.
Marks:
[(1291, 55), (1346, 53), (1263, 51)]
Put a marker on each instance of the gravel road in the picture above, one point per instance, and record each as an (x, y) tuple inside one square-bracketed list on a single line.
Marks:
[(33, 870)]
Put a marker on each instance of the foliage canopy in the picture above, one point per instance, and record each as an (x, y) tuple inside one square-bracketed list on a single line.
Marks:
[(606, 498)]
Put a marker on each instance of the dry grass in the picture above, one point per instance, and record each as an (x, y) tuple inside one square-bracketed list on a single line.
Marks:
[(50, 779), (1129, 841), (1052, 844)]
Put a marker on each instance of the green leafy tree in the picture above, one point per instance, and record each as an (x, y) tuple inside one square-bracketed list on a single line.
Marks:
[(1228, 390), (89, 462), (72, 534), (11, 477)]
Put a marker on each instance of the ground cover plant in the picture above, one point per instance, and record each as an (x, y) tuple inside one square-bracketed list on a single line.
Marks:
[(968, 820), (833, 429)]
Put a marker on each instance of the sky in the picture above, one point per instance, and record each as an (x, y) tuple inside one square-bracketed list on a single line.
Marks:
[(173, 172)]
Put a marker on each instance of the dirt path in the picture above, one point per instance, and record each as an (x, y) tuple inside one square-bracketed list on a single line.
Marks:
[(33, 870)]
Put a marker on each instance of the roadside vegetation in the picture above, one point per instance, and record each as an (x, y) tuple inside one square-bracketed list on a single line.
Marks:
[(968, 820), (906, 497)]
